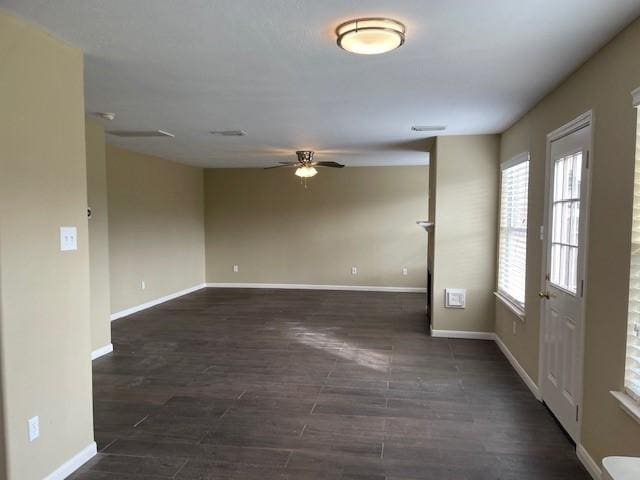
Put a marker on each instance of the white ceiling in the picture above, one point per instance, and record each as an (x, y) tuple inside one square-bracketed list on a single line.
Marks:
[(271, 67)]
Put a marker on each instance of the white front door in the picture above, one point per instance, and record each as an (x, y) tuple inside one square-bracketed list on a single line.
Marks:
[(564, 281)]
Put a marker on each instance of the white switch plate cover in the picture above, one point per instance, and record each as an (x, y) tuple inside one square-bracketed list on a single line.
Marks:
[(34, 428), (68, 239), (235, 269), (143, 285), (354, 270), (455, 298), (405, 272)]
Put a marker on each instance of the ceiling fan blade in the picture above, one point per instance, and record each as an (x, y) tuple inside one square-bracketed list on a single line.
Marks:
[(283, 165), (328, 164)]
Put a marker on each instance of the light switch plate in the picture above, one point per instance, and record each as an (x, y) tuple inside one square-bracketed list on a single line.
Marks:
[(34, 428), (455, 298), (68, 239)]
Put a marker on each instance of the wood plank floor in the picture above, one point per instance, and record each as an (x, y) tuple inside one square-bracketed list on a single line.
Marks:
[(276, 384)]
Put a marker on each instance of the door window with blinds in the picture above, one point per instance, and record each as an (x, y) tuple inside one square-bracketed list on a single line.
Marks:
[(565, 224), (632, 371), (512, 254)]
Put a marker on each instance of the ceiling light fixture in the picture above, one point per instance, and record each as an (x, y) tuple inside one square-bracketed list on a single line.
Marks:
[(306, 172), (370, 36), (305, 166)]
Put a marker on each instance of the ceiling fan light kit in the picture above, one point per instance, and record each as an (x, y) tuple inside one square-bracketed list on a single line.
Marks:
[(306, 172), (370, 36), (305, 166)]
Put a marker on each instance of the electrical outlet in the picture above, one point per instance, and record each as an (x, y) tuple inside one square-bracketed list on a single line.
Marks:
[(405, 272), (143, 285), (515, 327), (236, 269), (34, 428), (354, 270)]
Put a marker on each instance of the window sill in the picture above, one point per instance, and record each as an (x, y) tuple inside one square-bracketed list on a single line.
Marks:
[(628, 404), (515, 309)]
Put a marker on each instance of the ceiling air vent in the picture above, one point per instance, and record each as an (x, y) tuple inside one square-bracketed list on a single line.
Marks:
[(228, 133), (428, 128), (140, 133), (105, 115)]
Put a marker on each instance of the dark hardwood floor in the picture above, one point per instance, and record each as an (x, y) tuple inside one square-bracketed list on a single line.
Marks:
[(275, 384)]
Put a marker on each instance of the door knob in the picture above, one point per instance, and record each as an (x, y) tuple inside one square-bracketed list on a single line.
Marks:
[(544, 295)]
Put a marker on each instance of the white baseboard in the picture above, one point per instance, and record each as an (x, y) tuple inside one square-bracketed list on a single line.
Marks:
[(304, 286), (462, 334), (74, 463), (518, 368), (102, 351), (157, 301), (289, 286), (589, 463)]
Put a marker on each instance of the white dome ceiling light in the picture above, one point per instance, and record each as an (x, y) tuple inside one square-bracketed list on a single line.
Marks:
[(370, 36), (306, 172)]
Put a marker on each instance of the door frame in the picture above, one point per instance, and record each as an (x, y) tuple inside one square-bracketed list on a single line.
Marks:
[(587, 119)]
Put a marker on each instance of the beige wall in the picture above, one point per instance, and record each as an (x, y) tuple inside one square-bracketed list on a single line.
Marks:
[(3, 432), (431, 242), (45, 335), (465, 216), (604, 85), (277, 231), (156, 227), (98, 235)]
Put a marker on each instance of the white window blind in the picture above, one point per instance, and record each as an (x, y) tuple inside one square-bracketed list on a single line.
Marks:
[(512, 253), (632, 370)]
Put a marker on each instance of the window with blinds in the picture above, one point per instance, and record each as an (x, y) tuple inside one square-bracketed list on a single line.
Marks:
[(512, 253), (632, 371)]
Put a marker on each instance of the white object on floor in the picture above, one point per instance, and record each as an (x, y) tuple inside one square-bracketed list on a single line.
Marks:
[(621, 468)]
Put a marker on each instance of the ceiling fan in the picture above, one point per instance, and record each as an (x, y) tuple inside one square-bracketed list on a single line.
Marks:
[(305, 166)]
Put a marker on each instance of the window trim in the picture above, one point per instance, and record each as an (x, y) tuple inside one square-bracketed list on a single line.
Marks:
[(627, 403), (630, 400), (517, 160), (516, 307), (636, 97)]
